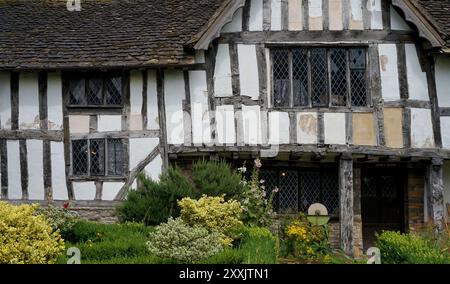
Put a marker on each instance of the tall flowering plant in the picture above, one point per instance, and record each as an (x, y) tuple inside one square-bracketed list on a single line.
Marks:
[(257, 206)]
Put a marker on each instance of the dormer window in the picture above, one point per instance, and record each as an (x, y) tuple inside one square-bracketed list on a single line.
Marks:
[(319, 77)]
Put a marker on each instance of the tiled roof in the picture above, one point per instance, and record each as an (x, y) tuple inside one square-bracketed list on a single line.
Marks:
[(439, 12), (105, 33)]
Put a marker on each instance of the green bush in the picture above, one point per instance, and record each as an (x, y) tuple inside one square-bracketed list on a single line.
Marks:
[(259, 246), (397, 248), (217, 178), (60, 219), (154, 202), (214, 214), (176, 240)]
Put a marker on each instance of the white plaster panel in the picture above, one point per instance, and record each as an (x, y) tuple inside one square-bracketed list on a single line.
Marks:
[(111, 189), (397, 22), (109, 123), (335, 125), (154, 169), (140, 148), (335, 15), (5, 100), (447, 186), (54, 101), (417, 80), (201, 132), (79, 124), (236, 24), (248, 73), (356, 15), (28, 101), (35, 170), (14, 181), (256, 16), (390, 87), (222, 72), (445, 131), (315, 15), (275, 15), (59, 185), (278, 128), (421, 128), (84, 190), (307, 128), (152, 101), (136, 100), (225, 124), (174, 93), (295, 15), (251, 116), (443, 80), (376, 22)]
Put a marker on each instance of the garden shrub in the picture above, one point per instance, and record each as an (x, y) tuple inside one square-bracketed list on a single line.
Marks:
[(259, 246), (27, 238), (154, 202), (397, 248), (216, 178), (61, 219), (214, 214), (176, 240)]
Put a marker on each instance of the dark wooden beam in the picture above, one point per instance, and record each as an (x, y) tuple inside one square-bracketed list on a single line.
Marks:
[(346, 219), (435, 194)]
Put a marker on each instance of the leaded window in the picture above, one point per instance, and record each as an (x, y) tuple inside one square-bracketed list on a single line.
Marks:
[(299, 189), (319, 77), (97, 157), (103, 89)]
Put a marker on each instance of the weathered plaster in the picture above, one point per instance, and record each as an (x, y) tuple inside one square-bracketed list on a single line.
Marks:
[(256, 15), (154, 169), (5, 100), (315, 15), (252, 124), (136, 100), (14, 185), (28, 101), (397, 22), (111, 189), (417, 79), (201, 130), (248, 72), (443, 80), (390, 87), (79, 124), (356, 15), (140, 148), (225, 125), (278, 128), (307, 128), (374, 6), (364, 129), (35, 170), (59, 185), (421, 128), (236, 24), (296, 15), (445, 131), (222, 72), (335, 15), (335, 128), (275, 15), (393, 129), (54, 101), (109, 123), (84, 190), (152, 101), (174, 96)]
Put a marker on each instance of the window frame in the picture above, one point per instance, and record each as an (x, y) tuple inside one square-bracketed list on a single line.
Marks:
[(90, 75), (329, 105), (88, 175)]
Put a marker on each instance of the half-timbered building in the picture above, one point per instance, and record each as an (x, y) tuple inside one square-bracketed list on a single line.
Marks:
[(347, 102)]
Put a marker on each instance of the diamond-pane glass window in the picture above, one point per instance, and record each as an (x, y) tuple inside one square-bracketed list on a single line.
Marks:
[(77, 92), (319, 77), (288, 192), (80, 157), (95, 91), (358, 77), (300, 77), (115, 157), (97, 152), (281, 77), (113, 91), (338, 66)]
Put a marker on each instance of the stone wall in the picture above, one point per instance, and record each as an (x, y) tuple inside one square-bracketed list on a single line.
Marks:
[(415, 200)]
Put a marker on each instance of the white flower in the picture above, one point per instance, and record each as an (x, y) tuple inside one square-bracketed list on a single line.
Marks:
[(262, 181), (276, 189), (242, 169), (258, 163)]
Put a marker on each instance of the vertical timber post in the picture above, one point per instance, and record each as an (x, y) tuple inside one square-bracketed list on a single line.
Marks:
[(435, 194), (346, 203)]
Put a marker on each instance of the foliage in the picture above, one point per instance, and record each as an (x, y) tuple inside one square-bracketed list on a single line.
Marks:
[(259, 246), (154, 202), (214, 214), (187, 244), (397, 248), (306, 241), (257, 208), (216, 178), (26, 238), (61, 219)]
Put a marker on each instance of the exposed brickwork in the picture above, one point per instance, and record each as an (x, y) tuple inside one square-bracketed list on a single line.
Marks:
[(415, 199)]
